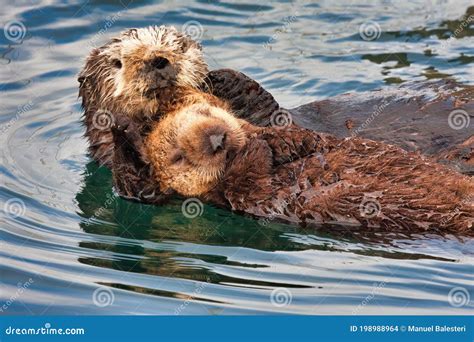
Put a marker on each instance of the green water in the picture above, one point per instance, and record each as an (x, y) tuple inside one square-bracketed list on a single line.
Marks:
[(62, 226)]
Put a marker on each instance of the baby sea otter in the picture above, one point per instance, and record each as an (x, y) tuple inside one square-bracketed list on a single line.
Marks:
[(141, 74), (189, 147), (301, 176)]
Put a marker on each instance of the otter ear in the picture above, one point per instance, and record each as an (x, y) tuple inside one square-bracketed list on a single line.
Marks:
[(188, 43), (129, 33), (194, 44)]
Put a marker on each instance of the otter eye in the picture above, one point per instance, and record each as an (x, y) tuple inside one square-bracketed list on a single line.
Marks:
[(116, 63), (176, 158)]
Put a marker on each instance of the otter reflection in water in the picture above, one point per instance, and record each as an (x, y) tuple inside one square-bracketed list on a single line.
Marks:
[(301, 176)]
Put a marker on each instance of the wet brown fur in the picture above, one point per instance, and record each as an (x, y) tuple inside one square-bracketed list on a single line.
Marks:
[(136, 92), (304, 177), (180, 146), (119, 78)]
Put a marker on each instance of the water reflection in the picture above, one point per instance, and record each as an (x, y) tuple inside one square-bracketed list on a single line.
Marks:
[(154, 258)]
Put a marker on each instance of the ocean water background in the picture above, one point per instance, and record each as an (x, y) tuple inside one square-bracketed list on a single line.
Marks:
[(70, 246)]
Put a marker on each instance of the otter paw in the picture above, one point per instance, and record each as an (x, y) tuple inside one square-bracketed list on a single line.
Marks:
[(121, 123)]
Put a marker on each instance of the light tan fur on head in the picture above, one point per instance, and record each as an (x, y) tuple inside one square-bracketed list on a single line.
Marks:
[(142, 72), (189, 147)]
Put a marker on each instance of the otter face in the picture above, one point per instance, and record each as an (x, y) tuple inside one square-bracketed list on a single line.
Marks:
[(189, 148), (140, 72)]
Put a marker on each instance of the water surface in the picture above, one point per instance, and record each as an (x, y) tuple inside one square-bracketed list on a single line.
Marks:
[(70, 246)]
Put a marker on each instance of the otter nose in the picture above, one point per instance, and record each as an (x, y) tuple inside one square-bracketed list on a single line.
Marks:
[(159, 62), (217, 141)]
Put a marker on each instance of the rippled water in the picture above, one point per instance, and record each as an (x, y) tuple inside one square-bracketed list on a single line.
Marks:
[(70, 246)]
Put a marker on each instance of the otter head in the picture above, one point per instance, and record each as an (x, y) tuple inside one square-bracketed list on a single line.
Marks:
[(141, 72), (189, 148)]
